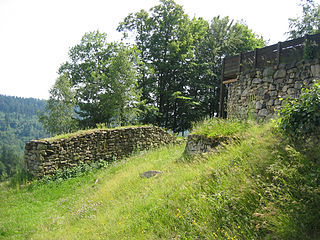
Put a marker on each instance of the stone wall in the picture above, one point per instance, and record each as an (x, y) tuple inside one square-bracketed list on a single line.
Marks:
[(44, 157), (201, 144), (259, 91)]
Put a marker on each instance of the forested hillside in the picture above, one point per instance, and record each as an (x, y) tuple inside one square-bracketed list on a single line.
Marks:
[(18, 124)]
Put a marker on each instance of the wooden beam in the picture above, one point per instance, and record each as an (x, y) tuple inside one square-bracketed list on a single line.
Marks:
[(221, 103), (240, 62), (279, 53), (255, 57), (230, 81)]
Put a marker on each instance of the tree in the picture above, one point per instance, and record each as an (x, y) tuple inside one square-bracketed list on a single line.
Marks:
[(182, 60), (224, 37), (164, 40), (121, 98), (308, 23), (103, 78), (10, 161), (59, 116)]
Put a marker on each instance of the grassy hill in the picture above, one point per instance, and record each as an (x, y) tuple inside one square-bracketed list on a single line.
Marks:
[(257, 188)]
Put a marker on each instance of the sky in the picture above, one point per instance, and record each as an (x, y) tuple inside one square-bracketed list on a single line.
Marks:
[(36, 35)]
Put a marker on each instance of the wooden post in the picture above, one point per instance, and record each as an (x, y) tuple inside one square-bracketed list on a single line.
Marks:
[(278, 53), (240, 62), (305, 42), (255, 57), (221, 104)]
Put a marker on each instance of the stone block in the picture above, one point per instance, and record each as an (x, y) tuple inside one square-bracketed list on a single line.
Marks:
[(267, 79), (256, 81), (292, 75), (273, 93), (259, 105), (263, 113), (281, 73), (272, 87), (268, 72), (270, 102), (285, 88), (315, 70), (291, 91)]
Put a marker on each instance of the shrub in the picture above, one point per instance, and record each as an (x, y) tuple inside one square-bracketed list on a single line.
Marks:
[(300, 118)]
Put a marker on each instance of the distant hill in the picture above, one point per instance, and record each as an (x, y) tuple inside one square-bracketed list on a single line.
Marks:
[(19, 122)]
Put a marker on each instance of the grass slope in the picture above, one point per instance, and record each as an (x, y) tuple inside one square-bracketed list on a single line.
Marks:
[(260, 188)]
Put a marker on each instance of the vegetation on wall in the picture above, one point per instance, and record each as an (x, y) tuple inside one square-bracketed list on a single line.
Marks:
[(300, 118)]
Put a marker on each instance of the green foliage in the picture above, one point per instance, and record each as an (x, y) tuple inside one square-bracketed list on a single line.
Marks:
[(181, 61), (103, 81), (308, 23), (58, 116), (217, 127), (18, 124), (300, 118), (310, 50), (77, 171), (10, 161)]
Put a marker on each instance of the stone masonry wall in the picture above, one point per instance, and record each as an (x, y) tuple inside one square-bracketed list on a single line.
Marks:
[(259, 91), (44, 157), (201, 144)]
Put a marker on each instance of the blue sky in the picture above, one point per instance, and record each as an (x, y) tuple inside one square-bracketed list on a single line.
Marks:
[(37, 34)]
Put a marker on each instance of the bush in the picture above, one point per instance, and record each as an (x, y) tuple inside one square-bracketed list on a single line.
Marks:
[(300, 118)]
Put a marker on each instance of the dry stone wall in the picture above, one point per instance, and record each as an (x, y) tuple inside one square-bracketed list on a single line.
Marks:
[(260, 91), (197, 144), (44, 157)]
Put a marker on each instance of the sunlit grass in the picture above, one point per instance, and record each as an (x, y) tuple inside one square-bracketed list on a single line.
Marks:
[(259, 188), (217, 127), (88, 131)]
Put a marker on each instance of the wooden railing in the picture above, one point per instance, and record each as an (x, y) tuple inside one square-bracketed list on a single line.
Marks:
[(282, 52)]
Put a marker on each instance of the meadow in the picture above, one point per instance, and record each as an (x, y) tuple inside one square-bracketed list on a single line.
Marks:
[(260, 187)]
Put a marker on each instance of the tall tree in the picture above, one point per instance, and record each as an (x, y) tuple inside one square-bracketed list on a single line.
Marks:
[(308, 23), (182, 60), (165, 42), (10, 161), (59, 116), (224, 37), (103, 76)]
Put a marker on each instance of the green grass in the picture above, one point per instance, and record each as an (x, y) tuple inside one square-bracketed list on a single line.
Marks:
[(216, 127), (259, 188), (87, 131)]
